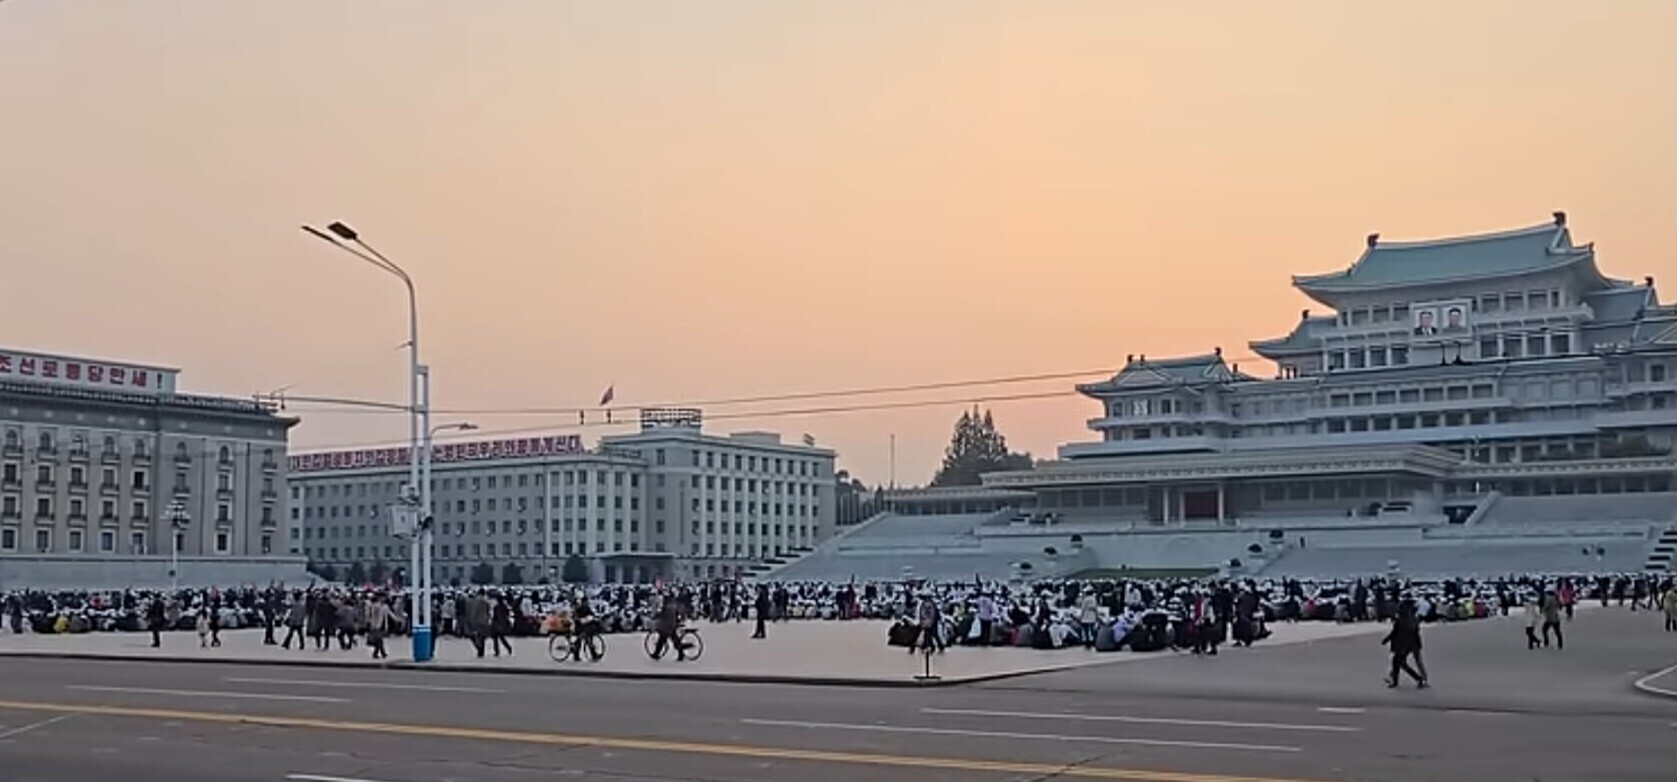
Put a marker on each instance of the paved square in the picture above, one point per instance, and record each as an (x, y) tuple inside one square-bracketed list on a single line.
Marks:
[(800, 651)]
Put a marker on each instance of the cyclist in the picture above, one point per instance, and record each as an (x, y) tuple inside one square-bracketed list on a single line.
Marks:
[(583, 621), (669, 622)]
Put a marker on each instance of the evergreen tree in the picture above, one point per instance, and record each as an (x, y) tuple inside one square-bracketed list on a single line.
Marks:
[(975, 448), (378, 572), (575, 570), (512, 574), (483, 573), (357, 574)]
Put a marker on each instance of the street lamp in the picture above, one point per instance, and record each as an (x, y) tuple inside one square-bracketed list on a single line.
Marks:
[(419, 461), (178, 520)]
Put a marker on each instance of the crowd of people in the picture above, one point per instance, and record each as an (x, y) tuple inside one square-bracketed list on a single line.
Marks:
[(1105, 615)]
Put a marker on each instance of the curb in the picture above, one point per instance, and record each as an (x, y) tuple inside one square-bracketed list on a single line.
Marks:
[(580, 673), (1645, 684)]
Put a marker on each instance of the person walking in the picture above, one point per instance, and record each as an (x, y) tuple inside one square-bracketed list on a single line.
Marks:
[(928, 617), (1534, 619), (1404, 641), (1669, 604), (378, 625), (477, 621), (500, 625), (1552, 619), (296, 616)]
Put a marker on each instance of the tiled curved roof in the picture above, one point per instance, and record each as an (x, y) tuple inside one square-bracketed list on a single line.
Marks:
[(1489, 255)]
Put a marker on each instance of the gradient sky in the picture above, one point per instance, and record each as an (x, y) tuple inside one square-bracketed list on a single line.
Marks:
[(701, 200)]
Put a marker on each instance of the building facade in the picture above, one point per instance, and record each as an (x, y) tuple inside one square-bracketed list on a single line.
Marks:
[(92, 454), (1444, 371), (667, 502)]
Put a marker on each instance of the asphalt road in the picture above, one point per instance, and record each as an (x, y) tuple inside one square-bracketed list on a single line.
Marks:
[(1308, 712)]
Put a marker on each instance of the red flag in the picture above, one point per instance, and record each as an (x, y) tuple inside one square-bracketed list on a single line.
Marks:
[(611, 392)]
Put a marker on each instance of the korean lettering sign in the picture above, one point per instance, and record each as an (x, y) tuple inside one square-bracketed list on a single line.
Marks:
[(555, 445), (81, 373)]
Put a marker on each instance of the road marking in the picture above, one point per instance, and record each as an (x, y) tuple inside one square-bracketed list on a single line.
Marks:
[(998, 734), (1644, 684), (1341, 709), (266, 696), (643, 745), (1143, 720), (18, 731), (363, 685), (320, 778)]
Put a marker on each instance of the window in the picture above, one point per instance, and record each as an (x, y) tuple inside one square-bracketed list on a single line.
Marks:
[(139, 509), (107, 541), (8, 539), (139, 481), (76, 540), (43, 507), (223, 542), (43, 540), (78, 508), (137, 541), (223, 482)]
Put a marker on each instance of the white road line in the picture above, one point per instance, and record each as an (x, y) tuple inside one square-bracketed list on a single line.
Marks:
[(319, 778), (362, 685), (1644, 684), (1341, 709), (207, 693), (26, 728), (1143, 720), (996, 734)]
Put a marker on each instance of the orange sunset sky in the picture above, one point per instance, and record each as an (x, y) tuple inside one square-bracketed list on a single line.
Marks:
[(702, 200)]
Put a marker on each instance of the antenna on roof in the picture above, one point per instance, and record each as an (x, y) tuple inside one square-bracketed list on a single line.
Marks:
[(1217, 351), (1648, 280), (1560, 219), (1304, 315), (1373, 239)]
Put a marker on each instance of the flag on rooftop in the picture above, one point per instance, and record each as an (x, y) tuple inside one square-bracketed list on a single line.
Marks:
[(809, 439), (611, 393)]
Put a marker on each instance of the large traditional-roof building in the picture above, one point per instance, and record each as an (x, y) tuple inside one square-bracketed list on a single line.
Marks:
[(1452, 387)]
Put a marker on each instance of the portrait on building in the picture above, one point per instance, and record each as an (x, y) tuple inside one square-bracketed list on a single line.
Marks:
[(1429, 319)]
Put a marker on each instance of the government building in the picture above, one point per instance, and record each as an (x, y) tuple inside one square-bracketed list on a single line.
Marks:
[(667, 502), (92, 456), (1487, 403)]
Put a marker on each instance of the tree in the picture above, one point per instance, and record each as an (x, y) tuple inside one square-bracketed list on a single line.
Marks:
[(378, 572), (575, 570), (976, 448), (483, 573), (357, 574), (325, 571), (512, 574)]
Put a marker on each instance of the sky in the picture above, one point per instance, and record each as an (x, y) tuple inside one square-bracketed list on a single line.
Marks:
[(692, 201)]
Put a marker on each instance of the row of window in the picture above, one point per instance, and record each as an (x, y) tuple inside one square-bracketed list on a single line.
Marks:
[(76, 541), (47, 441), (1508, 301), (46, 477), (11, 508)]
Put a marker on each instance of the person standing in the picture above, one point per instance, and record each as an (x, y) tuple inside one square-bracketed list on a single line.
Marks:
[(500, 624), (1088, 615), (155, 617), (1534, 618), (1669, 604), (761, 608), (928, 616), (1404, 641), (296, 616)]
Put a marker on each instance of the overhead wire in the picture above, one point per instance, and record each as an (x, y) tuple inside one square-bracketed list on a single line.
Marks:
[(742, 415)]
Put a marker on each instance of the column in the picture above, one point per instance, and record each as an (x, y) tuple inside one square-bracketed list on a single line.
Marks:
[(1222, 489)]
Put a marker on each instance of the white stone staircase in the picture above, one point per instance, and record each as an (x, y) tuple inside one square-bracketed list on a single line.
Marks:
[(1663, 559)]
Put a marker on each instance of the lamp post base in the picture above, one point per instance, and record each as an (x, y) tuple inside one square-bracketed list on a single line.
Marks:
[(422, 646)]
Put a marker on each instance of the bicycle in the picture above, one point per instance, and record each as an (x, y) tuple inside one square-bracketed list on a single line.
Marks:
[(688, 637), (576, 646)]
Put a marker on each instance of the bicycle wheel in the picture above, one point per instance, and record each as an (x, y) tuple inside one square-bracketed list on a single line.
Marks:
[(559, 648), (695, 645), (594, 647), (651, 644)]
